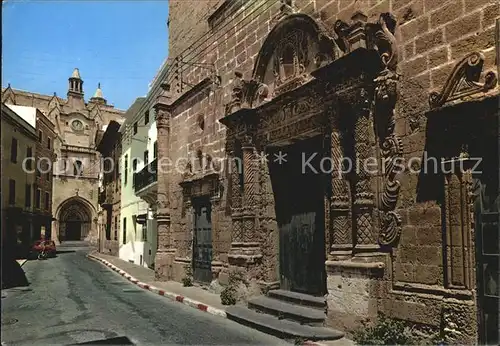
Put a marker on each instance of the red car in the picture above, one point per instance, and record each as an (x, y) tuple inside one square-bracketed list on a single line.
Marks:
[(50, 247)]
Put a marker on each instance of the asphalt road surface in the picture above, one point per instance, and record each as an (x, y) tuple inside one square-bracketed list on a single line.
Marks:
[(72, 299)]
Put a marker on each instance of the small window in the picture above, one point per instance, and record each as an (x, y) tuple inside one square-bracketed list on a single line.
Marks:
[(125, 171), (155, 149), (47, 201), (146, 118), (49, 143), (78, 168), (116, 228), (135, 128), (144, 233), (124, 230), (12, 191), (40, 136), (134, 170), (146, 157), (29, 154), (27, 196), (108, 231), (13, 151), (38, 198)]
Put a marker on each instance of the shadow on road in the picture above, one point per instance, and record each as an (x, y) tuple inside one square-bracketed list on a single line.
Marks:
[(121, 340), (12, 273), (64, 251)]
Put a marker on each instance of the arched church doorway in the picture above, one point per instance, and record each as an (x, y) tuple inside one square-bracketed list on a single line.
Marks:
[(74, 220)]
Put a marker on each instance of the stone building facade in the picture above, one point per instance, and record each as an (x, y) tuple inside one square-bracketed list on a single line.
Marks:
[(40, 164), (18, 143), (109, 143), (75, 183), (43, 188), (266, 100)]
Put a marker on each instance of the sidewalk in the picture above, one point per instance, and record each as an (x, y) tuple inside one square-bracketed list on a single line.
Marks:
[(21, 261), (195, 297)]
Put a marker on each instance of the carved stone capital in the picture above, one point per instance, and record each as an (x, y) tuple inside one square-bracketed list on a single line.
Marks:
[(247, 141), (246, 94), (162, 119), (340, 203)]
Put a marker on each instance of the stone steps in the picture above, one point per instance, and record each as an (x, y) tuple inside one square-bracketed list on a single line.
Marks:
[(281, 328), (286, 310), (298, 298)]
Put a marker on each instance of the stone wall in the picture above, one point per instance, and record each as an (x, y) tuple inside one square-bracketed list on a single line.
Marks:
[(432, 36)]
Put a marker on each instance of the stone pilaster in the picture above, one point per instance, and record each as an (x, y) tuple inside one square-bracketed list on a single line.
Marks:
[(365, 240), (235, 170), (245, 248), (340, 211), (458, 242), (165, 253)]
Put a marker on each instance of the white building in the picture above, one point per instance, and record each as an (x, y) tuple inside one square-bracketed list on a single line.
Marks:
[(138, 237)]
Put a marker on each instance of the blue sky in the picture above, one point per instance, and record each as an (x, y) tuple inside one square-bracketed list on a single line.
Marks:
[(120, 44)]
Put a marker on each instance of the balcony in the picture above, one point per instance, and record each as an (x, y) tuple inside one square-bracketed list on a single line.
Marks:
[(145, 183), (106, 196), (102, 197)]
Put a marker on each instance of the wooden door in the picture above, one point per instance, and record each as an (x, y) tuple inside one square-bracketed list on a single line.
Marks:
[(299, 204), (202, 242)]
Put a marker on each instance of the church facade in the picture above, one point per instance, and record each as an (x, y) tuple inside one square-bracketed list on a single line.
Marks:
[(76, 169)]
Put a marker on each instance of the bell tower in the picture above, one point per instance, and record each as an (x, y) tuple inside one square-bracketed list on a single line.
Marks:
[(75, 90)]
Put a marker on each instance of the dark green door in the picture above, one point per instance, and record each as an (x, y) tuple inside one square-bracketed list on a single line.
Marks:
[(202, 242)]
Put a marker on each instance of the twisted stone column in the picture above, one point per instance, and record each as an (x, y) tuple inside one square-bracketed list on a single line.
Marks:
[(250, 187)]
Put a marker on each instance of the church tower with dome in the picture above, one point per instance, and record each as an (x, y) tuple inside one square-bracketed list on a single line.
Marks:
[(76, 170)]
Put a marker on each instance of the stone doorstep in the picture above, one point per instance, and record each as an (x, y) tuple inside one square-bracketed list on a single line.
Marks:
[(298, 298), (287, 310), (266, 323), (278, 327)]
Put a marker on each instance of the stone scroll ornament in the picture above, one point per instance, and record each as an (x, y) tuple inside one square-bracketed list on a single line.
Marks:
[(390, 144), (464, 81)]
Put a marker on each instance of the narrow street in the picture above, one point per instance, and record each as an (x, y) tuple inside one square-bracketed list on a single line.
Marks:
[(72, 299)]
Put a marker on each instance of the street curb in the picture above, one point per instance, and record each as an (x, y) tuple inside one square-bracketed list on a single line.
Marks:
[(170, 295), (21, 261), (175, 297)]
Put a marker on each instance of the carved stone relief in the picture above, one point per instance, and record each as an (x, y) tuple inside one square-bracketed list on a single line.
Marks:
[(389, 142), (464, 81)]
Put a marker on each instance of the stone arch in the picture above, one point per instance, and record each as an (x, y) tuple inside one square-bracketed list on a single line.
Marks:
[(301, 33), (75, 218)]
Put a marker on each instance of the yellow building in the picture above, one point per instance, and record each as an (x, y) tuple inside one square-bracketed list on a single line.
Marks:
[(18, 177)]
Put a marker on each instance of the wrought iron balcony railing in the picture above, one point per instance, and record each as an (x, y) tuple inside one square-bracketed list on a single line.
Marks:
[(146, 176)]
